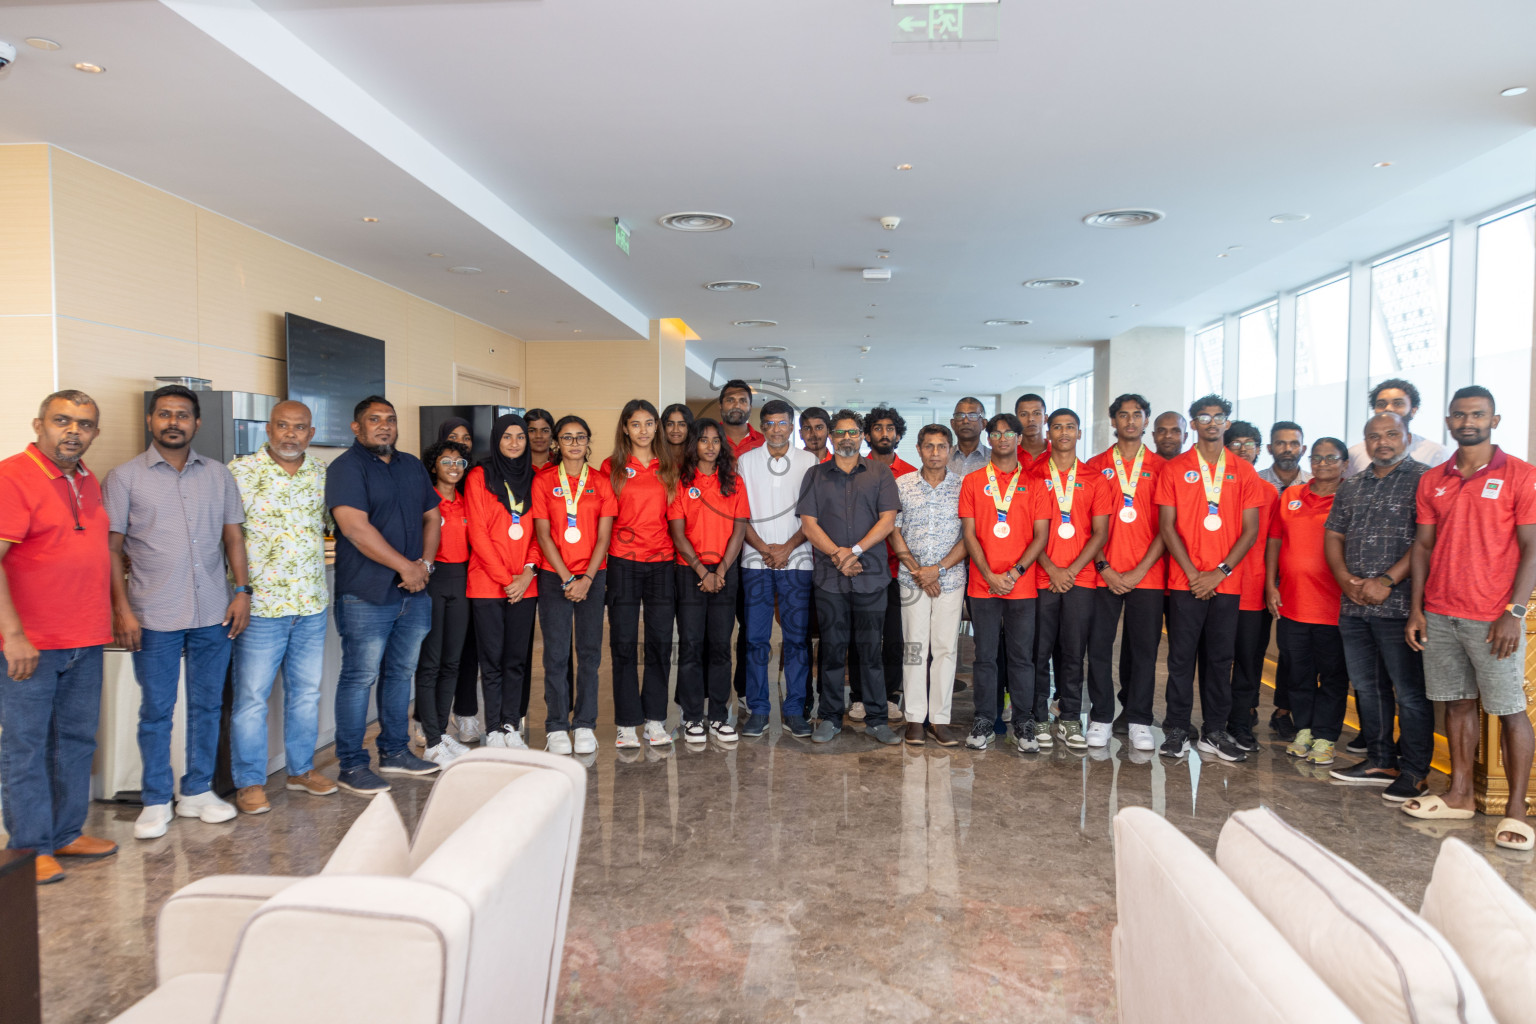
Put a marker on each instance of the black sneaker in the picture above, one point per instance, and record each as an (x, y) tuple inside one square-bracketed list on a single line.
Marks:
[(361, 781), (406, 763), (1220, 743), (1243, 736), (1281, 724), (797, 726), (1175, 742), (1404, 788), (981, 734), (1024, 738), (1121, 726), (1365, 773), (1356, 746), (755, 725)]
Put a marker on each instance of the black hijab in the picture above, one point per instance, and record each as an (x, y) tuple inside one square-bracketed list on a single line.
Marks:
[(451, 424), (502, 473)]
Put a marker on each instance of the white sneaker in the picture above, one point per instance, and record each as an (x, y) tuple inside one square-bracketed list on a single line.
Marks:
[(1141, 737), (206, 806), (512, 740), (628, 736), (585, 742), (454, 745), (558, 742), (154, 819), (440, 755), (656, 733), (694, 732), (725, 732), (1098, 734), (493, 738), (469, 728), (856, 711)]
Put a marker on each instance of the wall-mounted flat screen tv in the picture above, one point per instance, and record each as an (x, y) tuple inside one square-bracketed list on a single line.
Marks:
[(331, 370)]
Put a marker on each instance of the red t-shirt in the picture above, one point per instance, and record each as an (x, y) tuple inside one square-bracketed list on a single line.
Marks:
[(640, 531), (899, 468), (496, 558), (1308, 591), (708, 516), (453, 539), (1472, 567), (60, 577), (1128, 542), (1179, 485), (1030, 502), (1252, 567), (753, 439), (1093, 498), (595, 502)]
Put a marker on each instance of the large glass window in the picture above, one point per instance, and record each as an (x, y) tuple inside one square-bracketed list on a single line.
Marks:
[(1322, 359), (1409, 297), (1208, 361), (1506, 280), (1256, 365)]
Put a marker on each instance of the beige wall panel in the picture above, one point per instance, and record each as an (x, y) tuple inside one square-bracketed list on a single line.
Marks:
[(429, 348), (242, 371), (125, 254), (488, 350), (116, 367), (596, 374), (27, 342), (26, 247)]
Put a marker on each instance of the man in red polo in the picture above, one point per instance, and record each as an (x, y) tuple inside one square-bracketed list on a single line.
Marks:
[(55, 618), (1474, 566), (736, 414)]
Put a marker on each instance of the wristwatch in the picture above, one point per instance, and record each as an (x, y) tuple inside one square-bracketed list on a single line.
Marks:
[(1226, 570), (1517, 610), (856, 550), (244, 589), (431, 567), (1101, 565)]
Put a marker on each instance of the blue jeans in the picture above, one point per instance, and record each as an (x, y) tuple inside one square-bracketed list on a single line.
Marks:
[(49, 723), (1385, 670), (296, 644), (792, 588), (156, 665), (379, 643)]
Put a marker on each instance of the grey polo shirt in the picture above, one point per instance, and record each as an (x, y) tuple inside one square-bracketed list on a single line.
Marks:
[(967, 464), (1269, 476), (173, 534), (846, 506)]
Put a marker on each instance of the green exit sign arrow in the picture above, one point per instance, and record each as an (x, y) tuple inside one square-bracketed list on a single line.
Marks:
[(621, 235)]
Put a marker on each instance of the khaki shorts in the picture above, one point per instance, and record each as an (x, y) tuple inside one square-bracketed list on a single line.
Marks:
[(1459, 665)]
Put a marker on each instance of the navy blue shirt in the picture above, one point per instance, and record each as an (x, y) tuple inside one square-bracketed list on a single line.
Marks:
[(395, 495)]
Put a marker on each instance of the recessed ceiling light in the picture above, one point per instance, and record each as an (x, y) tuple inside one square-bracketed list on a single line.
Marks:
[(1289, 218), (38, 42), (1006, 323), (92, 69), (903, 167), (797, 380), (501, 291), (1053, 282), (917, 97), (1516, 90), (978, 348), (959, 366), (464, 270), (882, 256), (695, 221), (755, 323), (1127, 218), (944, 380), (435, 255), (1383, 163), (883, 250), (1114, 316), (576, 331), (765, 348), (733, 286), (1222, 255), (370, 220)]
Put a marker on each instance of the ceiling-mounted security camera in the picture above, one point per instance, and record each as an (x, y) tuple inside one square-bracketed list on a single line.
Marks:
[(889, 223), (7, 54)]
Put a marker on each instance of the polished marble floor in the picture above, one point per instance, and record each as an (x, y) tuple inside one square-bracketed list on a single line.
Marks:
[(780, 881)]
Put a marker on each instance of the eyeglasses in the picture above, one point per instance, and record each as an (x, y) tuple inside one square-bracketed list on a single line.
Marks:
[(1243, 446), (970, 417), (1327, 459), (1003, 435), (1206, 417), (573, 438), (846, 433), (452, 463)]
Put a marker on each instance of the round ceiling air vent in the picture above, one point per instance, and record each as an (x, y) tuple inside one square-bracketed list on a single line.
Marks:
[(978, 348), (769, 348), (1289, 218), (464, 270), (1053, 282), (695, 221), (959, 366), (733, 286), (1128, 218), (1006, 323), (755, 323)]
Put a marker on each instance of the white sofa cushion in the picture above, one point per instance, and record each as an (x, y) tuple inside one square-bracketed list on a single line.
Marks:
[(376, 844), (1489, 924), (1384, 961), (1190, 947)]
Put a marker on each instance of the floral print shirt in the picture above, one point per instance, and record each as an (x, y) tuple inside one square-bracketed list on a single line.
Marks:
[(285, 525)]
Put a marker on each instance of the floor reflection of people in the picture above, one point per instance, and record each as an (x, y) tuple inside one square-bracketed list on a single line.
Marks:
[(928, 859)]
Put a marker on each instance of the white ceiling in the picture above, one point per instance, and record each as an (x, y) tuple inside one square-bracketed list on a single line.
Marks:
[(790, 117)]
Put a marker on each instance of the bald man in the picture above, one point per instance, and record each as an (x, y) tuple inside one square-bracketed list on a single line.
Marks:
[(1170, 432), (283, 492)]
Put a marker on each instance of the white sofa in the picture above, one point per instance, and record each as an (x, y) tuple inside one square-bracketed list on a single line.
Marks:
[(1280, 929), (462, 923)]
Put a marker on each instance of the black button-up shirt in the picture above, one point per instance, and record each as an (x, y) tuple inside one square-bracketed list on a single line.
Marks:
[(846, 506), (395, 495), (1377, 516)]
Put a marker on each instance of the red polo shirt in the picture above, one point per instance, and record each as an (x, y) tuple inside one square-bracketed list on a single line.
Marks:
[(1472, 567), (596, 502), (640, 530), (1128, 542), (1180, 486), (754, 439), (496, 558), (708, 516), (60, 577), (1030, 502), (1308, 591), (1252, 568), (1092, 499), (453, 538)]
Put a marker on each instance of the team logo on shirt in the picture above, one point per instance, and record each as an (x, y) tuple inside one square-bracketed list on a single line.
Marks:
[(987, 490), (1440, 491), (693, 492), (1231, 477), (1109, 473), (1191, 477), (559, 492), (1492, 488), (1294, 505), (629, 471)]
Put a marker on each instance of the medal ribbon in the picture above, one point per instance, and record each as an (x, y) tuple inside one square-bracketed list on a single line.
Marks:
[(999, 500), (1128, 487), (572, 499), (1212, 486), (517, 506), (1064, 495)]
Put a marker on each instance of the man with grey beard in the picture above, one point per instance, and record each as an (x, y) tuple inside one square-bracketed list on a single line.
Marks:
[(1287, 444), (1368, 537)]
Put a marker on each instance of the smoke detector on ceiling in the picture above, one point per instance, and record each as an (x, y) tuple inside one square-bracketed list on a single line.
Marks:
[(1126, 218), (877, 274)]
